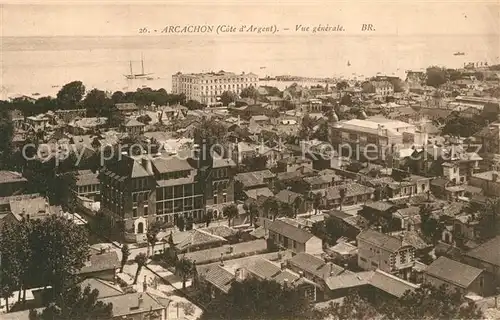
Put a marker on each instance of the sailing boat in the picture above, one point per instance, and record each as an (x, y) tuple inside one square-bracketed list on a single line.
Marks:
[(141, 75), (348, 63)]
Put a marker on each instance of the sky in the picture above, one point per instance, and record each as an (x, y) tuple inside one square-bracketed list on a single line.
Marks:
[(124, 19)]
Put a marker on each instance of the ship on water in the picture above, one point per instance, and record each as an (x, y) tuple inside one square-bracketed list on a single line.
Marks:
[(348, 63), (141, 75), (459, 54)]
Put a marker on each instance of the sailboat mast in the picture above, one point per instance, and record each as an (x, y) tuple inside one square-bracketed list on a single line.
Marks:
[(131, 73)]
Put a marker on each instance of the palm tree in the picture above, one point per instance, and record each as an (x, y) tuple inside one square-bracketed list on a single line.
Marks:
[(285, 209), (184, 268), (125, 254), (141, 259), (271, 206), (316, 200), (254, 212), (151, 235), (342, 196), (297, 203), (230, 212)]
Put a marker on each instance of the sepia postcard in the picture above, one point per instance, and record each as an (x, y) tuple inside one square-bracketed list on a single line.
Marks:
[(165, 160)]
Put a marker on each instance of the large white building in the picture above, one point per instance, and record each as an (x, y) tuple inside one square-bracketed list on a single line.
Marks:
[(207, 87)]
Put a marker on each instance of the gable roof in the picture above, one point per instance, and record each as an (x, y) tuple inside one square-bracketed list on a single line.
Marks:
[(128, 304), (290, 231), (219, 277), (488, 252), (452, 271), (380, 240), (263, 268), (287, 196), (315, 266), (351, 190), (101, 262), (105, 288), (199, 237)]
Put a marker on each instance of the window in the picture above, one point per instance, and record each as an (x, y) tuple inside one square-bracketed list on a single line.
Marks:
[(374, 264), (146, 210), (134, 212), (362, 259)]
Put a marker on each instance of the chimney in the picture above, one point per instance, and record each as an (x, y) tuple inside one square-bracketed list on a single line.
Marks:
[(379, 228), (283, 266), (139, 300), (221, 259), (301, 274), (285, 283), (144, 284)]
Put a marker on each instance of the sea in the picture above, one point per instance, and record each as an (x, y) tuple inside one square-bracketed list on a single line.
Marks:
[(39, 66)]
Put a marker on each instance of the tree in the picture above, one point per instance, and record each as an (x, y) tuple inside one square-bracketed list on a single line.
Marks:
[(317, 199), (353, 307), (250, 92), (342, 85), (488, 226), (36, 253), (342, 193), (185, 269), (96, 102), (297, 203), (322, 133), (71, 94), (429, 302), (209, 131), (230, 212), (271, 207), (228, 97), (58, 258), (10, 272), (436, 76), (76, 304), (194, 105), (430, 227), (260, 299), (208, 217), (189, 223), (306, 128), (7, 134), (253, 210), (141, 259), (125, 254), (144, 119), (255, 163), (151, 236), (180, 223)]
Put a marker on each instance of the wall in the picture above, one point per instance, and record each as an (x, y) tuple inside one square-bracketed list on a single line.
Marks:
[(490, 188), (314, 246), (368, 254)]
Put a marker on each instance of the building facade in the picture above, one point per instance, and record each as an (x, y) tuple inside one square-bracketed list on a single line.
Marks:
[(136, 191), (207, 87), (377, 250)]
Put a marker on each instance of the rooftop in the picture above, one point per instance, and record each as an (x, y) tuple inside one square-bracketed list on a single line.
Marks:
[(487, 252), (380, 240), (10, 176), (452, 271), (292, 232), (101, 262)]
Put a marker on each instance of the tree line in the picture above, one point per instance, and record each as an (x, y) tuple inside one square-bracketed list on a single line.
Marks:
[(48, 253)]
